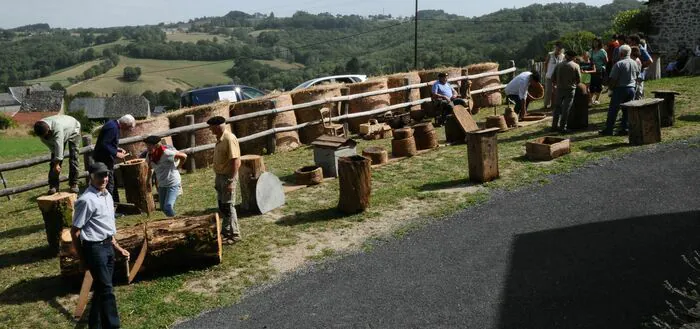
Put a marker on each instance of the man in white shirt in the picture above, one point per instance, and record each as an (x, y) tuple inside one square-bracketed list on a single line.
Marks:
[(516, 90), (57, 132), (553, 59)]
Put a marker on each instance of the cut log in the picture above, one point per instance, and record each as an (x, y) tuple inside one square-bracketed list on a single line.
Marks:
[(309, 175), (252, 166), (422, 128), (377, 155), (425, 136), (172, 243), (454, 133), (668, 107), (136, 184), (578, 116), (403, 147), (496, 121), (402, 133), (57, 211), (355, 179), (644, 121), (464, 119), (483, 155)]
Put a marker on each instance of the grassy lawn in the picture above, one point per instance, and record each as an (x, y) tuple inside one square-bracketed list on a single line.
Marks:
[(193, 37), (63, 75), (405, 195)]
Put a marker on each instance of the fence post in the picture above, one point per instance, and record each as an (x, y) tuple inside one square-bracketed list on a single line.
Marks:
[(271, 139), (345, 105), (87, 156), (190, 164), (407, 94), (4, 184), (512, 64)]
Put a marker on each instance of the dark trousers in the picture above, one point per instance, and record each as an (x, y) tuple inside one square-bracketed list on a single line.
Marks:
[(444, 108), (620, 95), (111, 183), (54, 176), (517, 102), (100, 260)]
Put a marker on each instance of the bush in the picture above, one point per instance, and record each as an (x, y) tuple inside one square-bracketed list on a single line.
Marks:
[(85, 124), (632, 21), (7, 122), (132, 74)]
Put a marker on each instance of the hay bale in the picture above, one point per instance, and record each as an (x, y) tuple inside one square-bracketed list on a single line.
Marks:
[(432, 75), (399, 80), (285, 141), (310, 133), (143, 128), (366, 103), (203, 136), (493, 98)]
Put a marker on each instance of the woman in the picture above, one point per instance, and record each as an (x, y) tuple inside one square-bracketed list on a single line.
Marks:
[(600, 58), (164, 161), (588, 69)]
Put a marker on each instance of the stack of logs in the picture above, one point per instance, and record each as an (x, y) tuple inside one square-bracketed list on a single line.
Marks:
[(425, 136), (403, 144)]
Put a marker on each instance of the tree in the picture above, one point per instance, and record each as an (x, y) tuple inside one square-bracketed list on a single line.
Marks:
[(353, 65), (131, 74), (57, 86)]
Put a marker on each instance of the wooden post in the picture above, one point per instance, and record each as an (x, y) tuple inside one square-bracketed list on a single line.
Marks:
[(407, 94), (190, 165), (346, 109), (464, 87), (482, 146), (515, 73), (644, 121), (668, 107), (4, 184), (355, 179), (136, 184), (57, 211), (271, 139), (87, 156), (252, 166)]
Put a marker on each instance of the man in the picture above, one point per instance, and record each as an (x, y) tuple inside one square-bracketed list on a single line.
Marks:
[(623, 78), (567, 76), (553, 59), (164, 161), (107, 148), (444, 98), (621, 40), (635, 41), (227, 160), (516, 90), (55, 132), (93, 238)]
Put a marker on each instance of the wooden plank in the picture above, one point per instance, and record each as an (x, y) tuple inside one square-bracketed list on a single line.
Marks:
[(465, 119), (83, 297)]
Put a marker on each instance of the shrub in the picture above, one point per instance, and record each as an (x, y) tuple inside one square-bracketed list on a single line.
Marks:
[(85, 124), (7, 122)]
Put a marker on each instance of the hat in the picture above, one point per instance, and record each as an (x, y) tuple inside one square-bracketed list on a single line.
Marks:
[(98, 168), (152, 140), (217, 120), (571, 53)]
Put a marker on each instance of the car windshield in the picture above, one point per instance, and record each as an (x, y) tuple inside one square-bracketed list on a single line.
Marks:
[(205, 97), (249, 93)]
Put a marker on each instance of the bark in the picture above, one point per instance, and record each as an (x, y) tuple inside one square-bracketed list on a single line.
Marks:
[(137, 186), (252, 166), (57, 211), (355, 179)]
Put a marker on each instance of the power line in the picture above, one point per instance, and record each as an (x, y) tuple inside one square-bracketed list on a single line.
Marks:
[(516, 21)]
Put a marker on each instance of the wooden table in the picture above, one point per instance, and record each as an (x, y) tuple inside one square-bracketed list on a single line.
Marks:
[(644, 121)]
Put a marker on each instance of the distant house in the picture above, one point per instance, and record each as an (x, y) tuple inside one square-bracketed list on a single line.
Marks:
[(8, 104), (158, 110), (21, 91), (35, 103), (100, 108)]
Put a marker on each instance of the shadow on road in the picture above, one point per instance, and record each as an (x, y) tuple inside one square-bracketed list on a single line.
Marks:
[(600, 275)]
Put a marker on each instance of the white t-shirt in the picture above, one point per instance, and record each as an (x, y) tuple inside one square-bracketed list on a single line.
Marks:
[(553, 61), (518, 86), (166, 169)]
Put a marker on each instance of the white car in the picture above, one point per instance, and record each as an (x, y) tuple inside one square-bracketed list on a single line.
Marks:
[(348, 78)]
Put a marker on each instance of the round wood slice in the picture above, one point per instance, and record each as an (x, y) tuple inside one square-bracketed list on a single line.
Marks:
[(378, 155), (269, 193), (403, 147), (422, 128), (402, 133), (309, 175), (427, 140)]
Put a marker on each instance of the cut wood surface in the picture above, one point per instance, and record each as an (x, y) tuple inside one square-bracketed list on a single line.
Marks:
[(464, 118), (57, 211), (426, 140), (355, 181), (136, 184), (309, 175), (252, 166), (378, 155), (482, 147), (402, 133), (496, 121)]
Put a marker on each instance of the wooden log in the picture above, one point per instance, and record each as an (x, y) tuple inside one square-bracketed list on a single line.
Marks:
[(57, 211), (136, 184), (644, 121), (172, 243), (482, 152), (309, 175), (496, 121), (547, 148), (355, 179), (511, 117), (422, 128), (252, 166), (426, 141), (454, 133), (402, 133), (377, 155), (403, 147), (668, 107)]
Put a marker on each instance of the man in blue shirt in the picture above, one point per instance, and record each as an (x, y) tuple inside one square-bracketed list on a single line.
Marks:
[(92, 236), (107, 148), (444, 97)]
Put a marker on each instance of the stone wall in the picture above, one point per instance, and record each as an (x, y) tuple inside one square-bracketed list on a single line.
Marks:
[(675, 22)]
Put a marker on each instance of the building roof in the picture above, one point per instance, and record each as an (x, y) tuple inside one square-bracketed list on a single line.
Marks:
[(43, 101), (21, 91), (112, 107), (94, 108), (6, 99)]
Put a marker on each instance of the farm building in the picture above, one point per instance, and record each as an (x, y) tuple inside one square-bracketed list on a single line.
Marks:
[(100, 108)]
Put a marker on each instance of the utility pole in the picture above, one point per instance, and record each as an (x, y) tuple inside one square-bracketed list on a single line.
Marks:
[(415, 41)]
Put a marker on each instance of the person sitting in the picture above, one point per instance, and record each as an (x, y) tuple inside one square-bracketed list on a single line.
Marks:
[(56, 132), (516, 90), (164, 162), (444, 97)]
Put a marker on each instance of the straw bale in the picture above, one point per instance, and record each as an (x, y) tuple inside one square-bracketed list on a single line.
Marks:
[(366, 103), (203, 136), (285, 141), (143, 128), (310, 133), (493, 98), (399, 80)]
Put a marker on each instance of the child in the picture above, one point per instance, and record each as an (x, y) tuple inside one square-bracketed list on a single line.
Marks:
[(588, 68)]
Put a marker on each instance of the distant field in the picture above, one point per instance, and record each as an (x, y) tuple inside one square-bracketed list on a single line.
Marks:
[(257, 33), (193, 37), (157, 75), (101, 47), (63, 75), (281, 65)]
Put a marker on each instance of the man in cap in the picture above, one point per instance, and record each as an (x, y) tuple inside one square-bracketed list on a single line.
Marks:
[(444, 97), (164, 161), (107, 148), (227, 160), (567, 75), (55, 132), (93, 233)]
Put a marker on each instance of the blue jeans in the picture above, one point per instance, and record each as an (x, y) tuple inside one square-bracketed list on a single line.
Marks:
[(100, 260), (620, 95), (167, 197)]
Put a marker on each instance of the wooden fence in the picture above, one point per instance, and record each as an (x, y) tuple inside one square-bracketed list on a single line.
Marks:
[(190, 129)]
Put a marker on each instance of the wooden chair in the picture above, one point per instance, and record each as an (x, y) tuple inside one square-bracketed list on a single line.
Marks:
[(330, 128)]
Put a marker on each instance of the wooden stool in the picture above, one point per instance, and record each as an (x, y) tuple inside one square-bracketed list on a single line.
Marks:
[(330, 128), (668, 107), (482, 146), (644, 122)]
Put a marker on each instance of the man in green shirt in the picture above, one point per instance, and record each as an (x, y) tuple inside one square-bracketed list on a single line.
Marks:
[(55, 132)]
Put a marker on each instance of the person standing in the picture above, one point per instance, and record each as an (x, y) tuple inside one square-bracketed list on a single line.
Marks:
[(444, 98), (567, 76), (107, 148), (600, 59), (623, 78), (553, 59), (227, 161), (634, 41), (516, 90), (93, 233), (164, 161), (56, 132)]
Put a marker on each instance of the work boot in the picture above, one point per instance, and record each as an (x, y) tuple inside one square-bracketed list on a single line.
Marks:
[(51, 191), (74, 189)]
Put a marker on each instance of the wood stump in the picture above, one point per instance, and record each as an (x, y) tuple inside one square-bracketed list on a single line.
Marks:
[(496, 121), (57, 211), (402, 133), (252, 166), (483, 155), (377, 155), (309, 175), (425, 136), (355, 179), (511, 117), (644, 121), (668, 107), (136, 184), (403, 147)]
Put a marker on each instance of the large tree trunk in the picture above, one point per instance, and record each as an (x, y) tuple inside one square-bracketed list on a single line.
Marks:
[(355, 179), (172, 243), (252, 166), (57, 211), (137, 186)]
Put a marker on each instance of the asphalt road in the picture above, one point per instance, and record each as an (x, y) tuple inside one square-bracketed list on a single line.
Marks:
[(590, 250)]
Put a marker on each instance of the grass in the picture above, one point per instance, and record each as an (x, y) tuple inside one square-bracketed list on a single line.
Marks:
[(63, 75), (192, 37), (405, 193), (281, 64)]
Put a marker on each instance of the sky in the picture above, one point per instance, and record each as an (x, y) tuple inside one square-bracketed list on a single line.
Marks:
[(100, 13)]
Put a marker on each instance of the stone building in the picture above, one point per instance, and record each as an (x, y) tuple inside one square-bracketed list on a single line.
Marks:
[(674, 23)]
